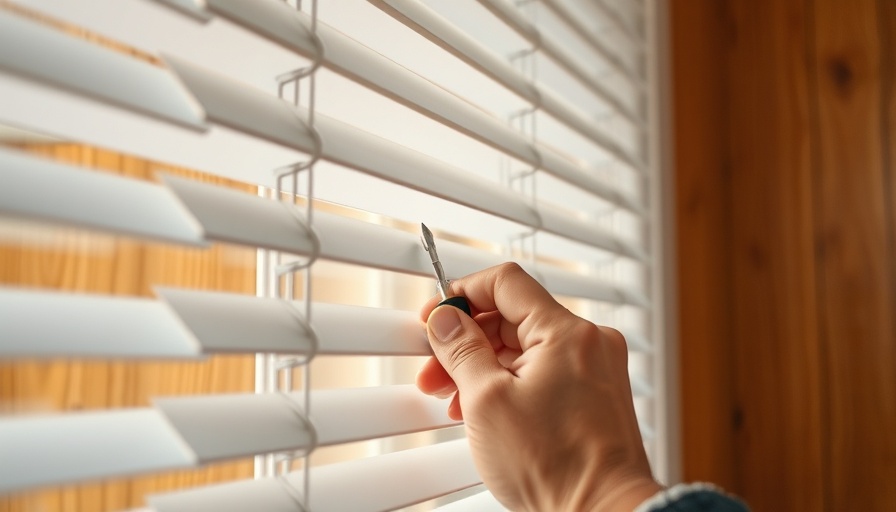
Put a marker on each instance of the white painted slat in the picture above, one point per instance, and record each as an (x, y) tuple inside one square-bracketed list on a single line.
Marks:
[(263, 423), (234, 216), (230, 103), (48, 110), (386, 411), (368, 331), (242, 107), (434, 27), (640, 387), (45, 54), (40, 189), (225, 322), (291, 28), (134, 22), (564, 224), (511, 15), (636, 39), (264, 494), (385, 482), (53, 449), (362, 243), (392, 481), (51, 324), (590, 35), (637, 342), (195, 8), (218, 427), (189, 324), (480, 502)]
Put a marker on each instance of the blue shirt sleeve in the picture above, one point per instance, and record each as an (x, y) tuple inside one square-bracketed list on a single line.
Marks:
[(692, 498)]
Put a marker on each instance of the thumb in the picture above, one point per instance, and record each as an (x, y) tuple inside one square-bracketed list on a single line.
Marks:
[(460, 345)]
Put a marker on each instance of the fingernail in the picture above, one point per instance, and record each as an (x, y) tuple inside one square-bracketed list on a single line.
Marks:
[(444, 395), (444, 322)]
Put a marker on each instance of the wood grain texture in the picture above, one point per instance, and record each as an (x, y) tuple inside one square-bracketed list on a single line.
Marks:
[(808, 154), (855, 255), (78, 261), (702, 214), (774, 327)]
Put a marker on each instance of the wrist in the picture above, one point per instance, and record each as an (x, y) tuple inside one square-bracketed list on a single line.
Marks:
[(623, 493)]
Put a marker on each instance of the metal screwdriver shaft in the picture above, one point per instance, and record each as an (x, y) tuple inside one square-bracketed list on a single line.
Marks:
[(429, 245)]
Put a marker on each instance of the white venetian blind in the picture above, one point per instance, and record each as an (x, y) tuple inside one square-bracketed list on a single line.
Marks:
[(516, 131)]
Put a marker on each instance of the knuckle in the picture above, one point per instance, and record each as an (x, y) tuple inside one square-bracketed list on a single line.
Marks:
[(509, 267), (590, 344), (508, 270)]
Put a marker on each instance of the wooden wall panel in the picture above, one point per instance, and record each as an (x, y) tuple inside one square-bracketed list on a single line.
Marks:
[(805, 170), (79, 261), (855, 256), (702, 227), (774, 321)]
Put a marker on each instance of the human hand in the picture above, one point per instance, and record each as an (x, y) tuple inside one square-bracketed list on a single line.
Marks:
[(544, 394)]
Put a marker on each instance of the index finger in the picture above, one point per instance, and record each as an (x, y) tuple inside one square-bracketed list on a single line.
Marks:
[(510, 291)]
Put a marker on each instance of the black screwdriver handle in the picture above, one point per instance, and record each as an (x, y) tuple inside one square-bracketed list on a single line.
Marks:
[(458, 302)]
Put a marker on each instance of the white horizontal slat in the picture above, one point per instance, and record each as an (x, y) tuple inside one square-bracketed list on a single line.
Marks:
[(51, 324), (189, 324), (194, 8), (640, 387), (233, 216), (637, 343), (45, 54), (381, 483), (590, 35), (386, 411), (134, 22), (480, 502), (128, 206), (48, 110), (220, 427), (67, 448), (430, 24), (225, 322), (562, 223), (43, 190), (362, 243), (371, 331), (291, 28), (392, 481), (264, 494), (232, 322), (264, 423), (243, 108), (511, 15), (627, 28), (39, 189), (341, 238), (196, 323), (220, 154)]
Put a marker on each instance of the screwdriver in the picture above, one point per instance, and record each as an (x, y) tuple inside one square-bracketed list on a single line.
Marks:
[(429, 245)]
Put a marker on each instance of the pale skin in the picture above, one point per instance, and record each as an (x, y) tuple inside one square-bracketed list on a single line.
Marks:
[(545, 396)]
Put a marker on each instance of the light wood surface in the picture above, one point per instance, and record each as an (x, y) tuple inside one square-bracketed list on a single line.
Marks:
[(79, 261), (807, 204)]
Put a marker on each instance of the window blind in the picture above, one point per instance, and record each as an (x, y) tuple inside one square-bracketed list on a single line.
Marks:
[(518, 131)]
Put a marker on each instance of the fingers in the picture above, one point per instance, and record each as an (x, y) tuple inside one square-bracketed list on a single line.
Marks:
[(462, 348), (432, 379), (519, 300)]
